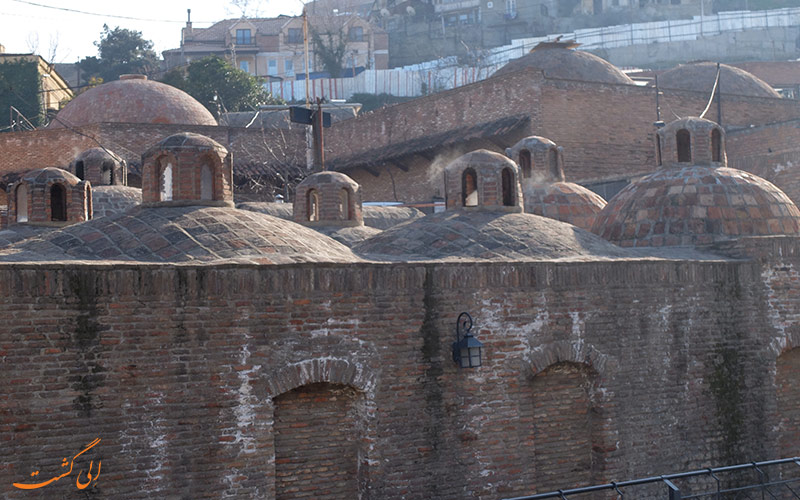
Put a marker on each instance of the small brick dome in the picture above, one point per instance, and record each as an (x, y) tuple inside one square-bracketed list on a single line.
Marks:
[(694, 198), (110, 200), (51, 197), (483, 180), (568, 64), (100, 167), (133, 99), (328, 199), (700, 77), (187, 169)]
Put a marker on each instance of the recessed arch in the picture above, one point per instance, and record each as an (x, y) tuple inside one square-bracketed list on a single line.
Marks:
[(21, 202), (552, 160), (107, 173), (525, 163), (507, 184), (684, 144), (165, 175), (58, 202), (345, 212), (206, 180), (469, 188), (716, 145), (80, 171), (312, 205)]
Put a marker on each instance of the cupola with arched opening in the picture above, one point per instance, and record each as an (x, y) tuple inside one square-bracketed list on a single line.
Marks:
[(691, 140), (101, 167), (49, 197), (187, 169), (538, 158), (483, 180), (328, 199)]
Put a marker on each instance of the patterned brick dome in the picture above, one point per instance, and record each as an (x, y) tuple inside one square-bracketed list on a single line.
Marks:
[(133, 99), (569, 65), (700, 77), (694, 198), (545, 190)]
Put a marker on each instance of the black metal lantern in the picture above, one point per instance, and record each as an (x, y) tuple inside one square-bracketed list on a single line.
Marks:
[(466, 348)]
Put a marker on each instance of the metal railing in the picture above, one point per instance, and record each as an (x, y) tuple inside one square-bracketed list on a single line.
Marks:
[(764, 487)]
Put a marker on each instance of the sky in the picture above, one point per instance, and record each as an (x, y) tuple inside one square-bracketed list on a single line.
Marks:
[(45, 27)]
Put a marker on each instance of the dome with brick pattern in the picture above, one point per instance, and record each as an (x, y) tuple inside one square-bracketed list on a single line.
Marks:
[(700, 77), (564, 63), (545, 190), (133, 99), (694, 198)]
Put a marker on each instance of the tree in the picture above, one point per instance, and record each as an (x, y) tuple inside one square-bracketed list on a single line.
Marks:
[(330, 47), (20, 87), (219, 86), (119, 51)]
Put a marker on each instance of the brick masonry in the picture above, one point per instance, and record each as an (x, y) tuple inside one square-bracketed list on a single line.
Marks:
[(190, 374)]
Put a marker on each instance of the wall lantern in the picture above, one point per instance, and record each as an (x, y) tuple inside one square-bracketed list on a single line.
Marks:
[(466, 348)]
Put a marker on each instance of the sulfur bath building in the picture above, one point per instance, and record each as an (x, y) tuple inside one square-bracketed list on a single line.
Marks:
[(226, 353)]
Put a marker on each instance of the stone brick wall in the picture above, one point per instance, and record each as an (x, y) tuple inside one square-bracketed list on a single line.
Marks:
[(187, 374)]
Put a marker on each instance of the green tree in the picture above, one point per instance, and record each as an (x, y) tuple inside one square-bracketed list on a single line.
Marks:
[(219, 86), (330, 47), (20, 87), (119, 51)]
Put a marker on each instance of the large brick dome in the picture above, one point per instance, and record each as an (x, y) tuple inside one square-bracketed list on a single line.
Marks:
[(700, 77), (694, 198), (569, 65), (133, 99)]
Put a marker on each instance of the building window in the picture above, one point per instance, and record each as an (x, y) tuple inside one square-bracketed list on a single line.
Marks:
[(206, 183), (58, 203), (355, 34), (107, 174), (683, 140), (288, 67), (511, 9), (469, 188), (165, 181), (507, 178), (22, 203), (658, 150), (295, 35), (79, 172), (89, 211), (244, 66), (525, 163), (344, 205), (312, 206), (243, 37), (716, 145), (272, 67)]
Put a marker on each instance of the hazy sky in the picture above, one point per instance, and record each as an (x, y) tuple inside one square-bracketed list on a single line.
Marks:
[(35, 25)]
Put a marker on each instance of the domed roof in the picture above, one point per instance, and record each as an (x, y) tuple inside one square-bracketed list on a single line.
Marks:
[(98, 154), (700, 77), (133, 99), (45, 175), (110, 200), (348, 236), (696, 204), (564, 201), (185, 140), (184, 234), (485, 235), (18, 232), (569, 65), (329, 177), (379, 217)]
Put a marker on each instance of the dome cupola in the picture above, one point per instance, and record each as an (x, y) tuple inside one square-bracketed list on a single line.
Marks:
[(328, 199), (49, 197), (483, 180), (101, 167)]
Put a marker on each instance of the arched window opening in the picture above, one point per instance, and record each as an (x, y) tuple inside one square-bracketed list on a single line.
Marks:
[(312, 203), (658, 150), (684, 146), (525, 163), (165, 183), (344, 205), (716, 145), (58, 203), (552, 157), (469, 188), (21, 195), (106, 173), (89, 211), (206, 183), (508, 187), (79, 170)]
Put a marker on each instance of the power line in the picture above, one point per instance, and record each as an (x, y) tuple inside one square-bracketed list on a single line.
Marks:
[(105, 15)]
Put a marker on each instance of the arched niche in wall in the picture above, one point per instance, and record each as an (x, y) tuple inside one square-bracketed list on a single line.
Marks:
[(684, 146), (525, 163), (58, 202), (21, 196), (166, 173), (469, 188)]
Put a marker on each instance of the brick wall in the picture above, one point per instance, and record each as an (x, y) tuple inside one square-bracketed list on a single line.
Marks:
[(183, 371)]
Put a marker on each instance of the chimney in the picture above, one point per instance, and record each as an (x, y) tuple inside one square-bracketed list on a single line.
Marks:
[(186, 33)]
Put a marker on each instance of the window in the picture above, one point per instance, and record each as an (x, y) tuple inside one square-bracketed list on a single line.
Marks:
[(469, 188), (507, 178), (22, 203), (658, 150), (107, 174), (525, 163), (58, 203), (553, 158), (511, 8), (243, 37), (295, 35), (206, 183), (272, 67), (312, 206), (716, 145), (344, 205), (89, 211), (355, 34), (683, 140), (288, 67), (244, 66), (166, 183), (79, 173)]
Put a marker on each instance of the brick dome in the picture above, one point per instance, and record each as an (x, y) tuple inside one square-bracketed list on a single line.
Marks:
[(694, 198), (49, 196), (133, 99), (110, 200), (328, 199), (545, 190), (700, 77), (569, 65), (483, 180), (101, 167)]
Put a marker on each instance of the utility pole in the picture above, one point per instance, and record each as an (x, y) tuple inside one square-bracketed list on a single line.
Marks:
[(305, 46)]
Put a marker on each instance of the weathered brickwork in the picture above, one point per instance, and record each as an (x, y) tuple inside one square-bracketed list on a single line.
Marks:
[(186, 373)]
